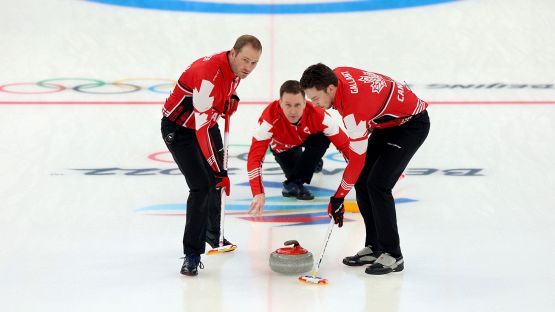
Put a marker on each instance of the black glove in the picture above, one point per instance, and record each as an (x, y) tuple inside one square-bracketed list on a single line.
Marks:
[(222, 181), (336, 210), (232, 106)]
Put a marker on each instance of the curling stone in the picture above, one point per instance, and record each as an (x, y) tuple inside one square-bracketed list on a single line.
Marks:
[(291, 260)]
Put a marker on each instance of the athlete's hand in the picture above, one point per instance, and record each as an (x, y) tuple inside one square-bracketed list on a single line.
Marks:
[(233, 105), (336, 210), (222, 181), (257, 204)]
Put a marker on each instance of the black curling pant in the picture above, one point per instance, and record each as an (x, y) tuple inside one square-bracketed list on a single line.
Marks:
[(297, 163), (203, 203), (389, 152)]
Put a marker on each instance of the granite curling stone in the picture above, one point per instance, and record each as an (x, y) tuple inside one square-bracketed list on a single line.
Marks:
[(291, 260)]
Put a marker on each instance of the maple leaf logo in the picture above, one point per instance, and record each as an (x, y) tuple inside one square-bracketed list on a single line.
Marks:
[(355, 130), (202, 100), (332, 128), (263, 131)]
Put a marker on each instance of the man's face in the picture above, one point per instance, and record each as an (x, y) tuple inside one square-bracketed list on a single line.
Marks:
[(321, 98), (243, 62), (292, 105)]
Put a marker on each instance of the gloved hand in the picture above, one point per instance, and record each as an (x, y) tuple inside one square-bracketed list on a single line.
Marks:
[(222, 181), (336, 210), (232, 107)]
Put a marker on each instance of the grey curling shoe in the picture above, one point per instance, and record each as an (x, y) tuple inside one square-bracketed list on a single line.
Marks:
[(362, 257), (386, 264)]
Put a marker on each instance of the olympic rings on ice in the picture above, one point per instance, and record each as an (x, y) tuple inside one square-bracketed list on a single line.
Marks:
[(90, 86), (53, 88)]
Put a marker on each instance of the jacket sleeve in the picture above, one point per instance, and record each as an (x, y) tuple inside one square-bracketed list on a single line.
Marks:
[(336, 135), (358, 144), (204, 115), (259, 146)]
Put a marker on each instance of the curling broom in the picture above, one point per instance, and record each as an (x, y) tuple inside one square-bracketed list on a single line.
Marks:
[(223, 248)]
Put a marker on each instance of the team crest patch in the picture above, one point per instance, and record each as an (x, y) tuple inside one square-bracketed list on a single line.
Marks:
[(378, 83)]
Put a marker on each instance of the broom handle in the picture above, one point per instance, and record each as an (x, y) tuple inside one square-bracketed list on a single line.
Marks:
[(222, 195), (328, 235)]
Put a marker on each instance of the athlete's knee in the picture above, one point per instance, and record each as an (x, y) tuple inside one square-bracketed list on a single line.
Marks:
[(202, 188), (360, 187), (318, 141), (378, 184)]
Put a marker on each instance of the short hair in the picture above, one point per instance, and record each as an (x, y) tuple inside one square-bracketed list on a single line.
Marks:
[(318, 76), (245, 40), (292, 87)]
